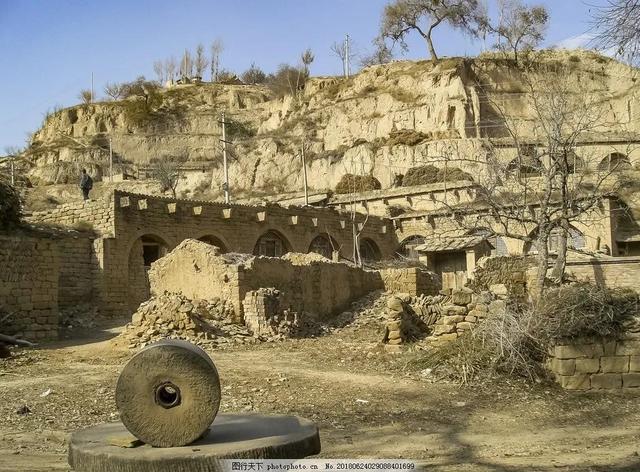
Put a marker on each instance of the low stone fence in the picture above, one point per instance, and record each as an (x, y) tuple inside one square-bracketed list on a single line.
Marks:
[(609, 272), (29, 287), (597, 364), (411, 280)]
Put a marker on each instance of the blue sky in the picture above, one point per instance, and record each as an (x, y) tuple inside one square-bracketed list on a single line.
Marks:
[(50, 48)]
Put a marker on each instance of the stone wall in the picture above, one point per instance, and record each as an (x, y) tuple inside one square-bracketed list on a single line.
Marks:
[(597, 364), (411, 280), (29, 286), (76, 270)]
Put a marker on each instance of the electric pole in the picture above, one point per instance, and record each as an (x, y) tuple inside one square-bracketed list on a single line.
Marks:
[(225, 186), (110, 161), (304, 173), (347, 66), (13, 171)]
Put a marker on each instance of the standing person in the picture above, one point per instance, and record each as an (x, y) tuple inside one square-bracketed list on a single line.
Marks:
[(86, 184)]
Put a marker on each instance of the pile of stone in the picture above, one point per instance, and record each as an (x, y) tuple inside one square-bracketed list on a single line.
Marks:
[(265, 317), (82, 315), (394, 332), (173, 316)]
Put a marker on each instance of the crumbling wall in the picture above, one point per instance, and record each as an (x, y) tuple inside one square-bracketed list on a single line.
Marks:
[(307, 282), (510, 271), (411, 280), (29, 286)]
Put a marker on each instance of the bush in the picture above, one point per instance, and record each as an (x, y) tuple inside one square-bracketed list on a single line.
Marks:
[(10, 206), (407, 137), (288, 80), (517, 342), (253, 75), (238, 130), (428, 174), (350, 183)]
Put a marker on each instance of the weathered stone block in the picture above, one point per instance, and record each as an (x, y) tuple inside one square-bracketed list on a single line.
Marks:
[(587, 366), (470, 318), (631, 380), (443, 329), (448, 337), (628, 347), (464, 325), (452, 319), (634, 363), (606, 381), (454, 310), (394, 325), (497, 307), (564, 366), (499, 290), (574, 382), (614, 364), (578, 350), (461, 296)]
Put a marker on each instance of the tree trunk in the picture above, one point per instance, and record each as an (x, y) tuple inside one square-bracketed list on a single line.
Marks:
[(543, 262), (432, 50), (557, 274)]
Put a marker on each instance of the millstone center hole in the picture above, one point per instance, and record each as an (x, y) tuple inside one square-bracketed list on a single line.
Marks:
[(167, 395)]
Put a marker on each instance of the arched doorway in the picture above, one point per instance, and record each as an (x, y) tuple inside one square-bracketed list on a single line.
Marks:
[(615, 161), (214, 241), (407, 247), (323, 245), (271, 244), (369, 251), (145, 251)]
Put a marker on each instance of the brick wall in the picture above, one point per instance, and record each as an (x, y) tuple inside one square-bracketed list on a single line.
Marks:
[(29, 286), (91, 214), (75, 270), (597, 364)]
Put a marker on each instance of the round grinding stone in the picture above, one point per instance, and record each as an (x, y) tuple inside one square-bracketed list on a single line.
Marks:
[(168, 394), (110, 448)]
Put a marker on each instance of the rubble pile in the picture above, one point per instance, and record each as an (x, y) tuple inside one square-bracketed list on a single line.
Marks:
[(174, 316), (79, 316)]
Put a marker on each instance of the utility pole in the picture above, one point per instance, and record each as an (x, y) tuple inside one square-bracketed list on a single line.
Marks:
[(13, 172), (304, 173), (225, 186), (347, 66), (110, 161)]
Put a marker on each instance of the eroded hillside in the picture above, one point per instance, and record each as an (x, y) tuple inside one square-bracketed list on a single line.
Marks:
[(382, 121)]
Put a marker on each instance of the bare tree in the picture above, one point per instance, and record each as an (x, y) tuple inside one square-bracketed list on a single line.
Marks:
[(253, 75), (168, 171), (186, 65), (401, 17), (200, 62), (617, 28), (170, 68), (522, 27), (217, 47), (339, 49), (86, 96), (307, 57), (158, 68), (547, 187), (113, 90), (381, 54)]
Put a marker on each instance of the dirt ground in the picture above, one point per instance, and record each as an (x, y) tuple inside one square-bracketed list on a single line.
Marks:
[(363, 399)]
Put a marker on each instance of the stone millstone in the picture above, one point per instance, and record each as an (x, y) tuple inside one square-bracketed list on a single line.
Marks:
[(106, 448), (168, 394)]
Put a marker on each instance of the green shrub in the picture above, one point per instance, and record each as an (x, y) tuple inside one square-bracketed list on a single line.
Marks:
[(429, 174), (350, 183), (10, 206), (407, 137), (238, 130)]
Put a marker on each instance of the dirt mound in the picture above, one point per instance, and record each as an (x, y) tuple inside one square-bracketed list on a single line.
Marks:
[(174, 316), (297, 258)]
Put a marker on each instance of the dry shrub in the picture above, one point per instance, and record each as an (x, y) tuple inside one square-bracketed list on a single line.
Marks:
[(516, 342), (407, 137), (10, 206), (584, 310), (350, 183), (428, 174)]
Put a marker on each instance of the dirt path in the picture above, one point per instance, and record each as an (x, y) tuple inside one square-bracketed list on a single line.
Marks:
[(363, 403)]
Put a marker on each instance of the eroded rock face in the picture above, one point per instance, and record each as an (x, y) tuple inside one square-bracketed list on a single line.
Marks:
[(347, 123)]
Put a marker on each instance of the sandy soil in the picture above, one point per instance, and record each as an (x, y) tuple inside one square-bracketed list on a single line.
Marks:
[(364, 400)]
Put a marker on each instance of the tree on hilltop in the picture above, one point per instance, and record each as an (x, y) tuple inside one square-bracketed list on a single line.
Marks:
[(200, 62), (401, 17), (617, 27)]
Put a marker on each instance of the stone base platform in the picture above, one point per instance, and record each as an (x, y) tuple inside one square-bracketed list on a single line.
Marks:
[(111, 448)]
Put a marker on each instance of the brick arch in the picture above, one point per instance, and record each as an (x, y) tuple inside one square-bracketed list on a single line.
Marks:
[(146, 248), (272, 243), (215, 240), (369, 250), (405, 246), (323, 244)]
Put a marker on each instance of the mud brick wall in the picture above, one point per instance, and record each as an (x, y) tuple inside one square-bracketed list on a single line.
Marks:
[(610, 272), (99, 214), (597, 364), (76, 270), (29, 286), (411, 280)]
